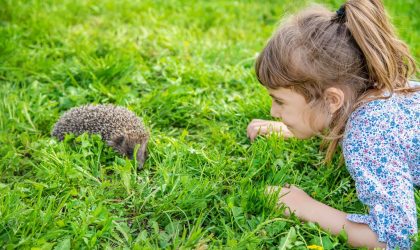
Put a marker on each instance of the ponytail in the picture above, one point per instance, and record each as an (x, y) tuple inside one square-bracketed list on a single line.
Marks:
[(387, 58)]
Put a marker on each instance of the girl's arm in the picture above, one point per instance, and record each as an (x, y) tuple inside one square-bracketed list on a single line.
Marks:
[(328, 218)]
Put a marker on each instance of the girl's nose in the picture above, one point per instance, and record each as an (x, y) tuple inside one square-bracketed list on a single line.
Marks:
[(275, 112)]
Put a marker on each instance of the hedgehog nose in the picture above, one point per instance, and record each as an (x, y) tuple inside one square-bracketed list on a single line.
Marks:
[(140, 165), (141, 157)]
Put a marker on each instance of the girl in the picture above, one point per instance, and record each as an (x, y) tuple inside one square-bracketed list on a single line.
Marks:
[(344, 75)]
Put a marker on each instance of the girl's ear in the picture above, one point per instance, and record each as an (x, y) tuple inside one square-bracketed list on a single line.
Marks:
[(334, 98)]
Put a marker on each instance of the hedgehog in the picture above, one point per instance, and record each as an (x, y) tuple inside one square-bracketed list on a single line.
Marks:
[(119, 128)]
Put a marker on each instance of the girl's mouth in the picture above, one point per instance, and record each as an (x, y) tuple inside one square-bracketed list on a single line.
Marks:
[(288, 126)]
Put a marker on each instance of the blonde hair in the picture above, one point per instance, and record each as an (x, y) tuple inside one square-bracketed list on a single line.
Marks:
[(356, 51)]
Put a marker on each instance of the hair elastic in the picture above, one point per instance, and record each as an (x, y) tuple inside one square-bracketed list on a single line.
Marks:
[(341, 12)]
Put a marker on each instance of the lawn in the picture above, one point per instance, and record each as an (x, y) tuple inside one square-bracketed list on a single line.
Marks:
[(186, 67)]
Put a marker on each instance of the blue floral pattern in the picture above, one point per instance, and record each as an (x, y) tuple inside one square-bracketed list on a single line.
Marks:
[(382, 152)]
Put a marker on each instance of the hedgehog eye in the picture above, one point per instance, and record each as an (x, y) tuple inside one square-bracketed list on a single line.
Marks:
[(129, 151), (130, 154)]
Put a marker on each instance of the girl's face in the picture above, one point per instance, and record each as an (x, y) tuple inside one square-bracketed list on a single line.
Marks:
[(296, 113)]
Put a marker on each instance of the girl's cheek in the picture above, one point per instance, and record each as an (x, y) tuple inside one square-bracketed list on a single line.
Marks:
[(290, 119), (275, 112)]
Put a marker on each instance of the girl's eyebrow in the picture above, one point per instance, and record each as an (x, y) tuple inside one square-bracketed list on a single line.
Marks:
[(275, 97)]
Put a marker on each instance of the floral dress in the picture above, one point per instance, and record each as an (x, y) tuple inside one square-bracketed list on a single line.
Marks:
[(381, 147)]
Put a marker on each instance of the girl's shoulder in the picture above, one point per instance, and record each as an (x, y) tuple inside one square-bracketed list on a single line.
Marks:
[(414, 83), (395, 110), (390, 104)]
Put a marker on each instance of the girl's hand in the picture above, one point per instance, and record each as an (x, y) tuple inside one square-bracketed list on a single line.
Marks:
[(328, 218), (295, 199), (263, 127)]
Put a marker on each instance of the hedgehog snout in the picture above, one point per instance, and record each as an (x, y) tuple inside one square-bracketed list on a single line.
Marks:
[(142, 153), (125, 144)]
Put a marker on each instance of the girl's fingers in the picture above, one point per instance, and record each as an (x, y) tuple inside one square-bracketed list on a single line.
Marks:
[(271, 189), (254, 133), (274, 189), (259, 129), (262, 127), (258, 120), (254, 130)]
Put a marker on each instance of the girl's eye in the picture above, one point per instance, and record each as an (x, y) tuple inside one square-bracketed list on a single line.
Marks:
[(278, 102)]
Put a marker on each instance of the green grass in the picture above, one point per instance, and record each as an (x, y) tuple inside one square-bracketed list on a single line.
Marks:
[(186, 67)]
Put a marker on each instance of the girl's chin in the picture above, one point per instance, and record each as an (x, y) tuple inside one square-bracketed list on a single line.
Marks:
[(299, 135), (294, 132)]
